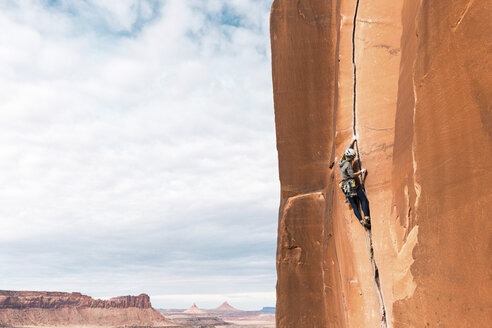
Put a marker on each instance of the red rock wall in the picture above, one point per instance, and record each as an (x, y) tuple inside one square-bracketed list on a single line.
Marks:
[(304, 42), (424, 123), (451, 144)]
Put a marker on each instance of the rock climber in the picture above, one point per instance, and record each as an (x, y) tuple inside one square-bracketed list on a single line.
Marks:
[(351, 186)]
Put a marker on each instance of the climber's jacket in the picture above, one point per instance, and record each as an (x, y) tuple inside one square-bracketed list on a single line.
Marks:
[(348, 184), (346, 169)]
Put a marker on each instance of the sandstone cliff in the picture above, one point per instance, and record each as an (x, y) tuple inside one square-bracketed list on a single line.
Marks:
[(412, 79), (55, 308)]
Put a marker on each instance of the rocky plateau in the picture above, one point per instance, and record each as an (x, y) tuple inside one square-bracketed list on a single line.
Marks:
[(26, 308)]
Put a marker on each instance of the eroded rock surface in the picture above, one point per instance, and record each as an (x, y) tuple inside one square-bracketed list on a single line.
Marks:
[(424, 123)]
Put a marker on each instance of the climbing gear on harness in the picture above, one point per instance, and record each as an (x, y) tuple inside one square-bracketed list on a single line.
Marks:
[(349, 153), (348, 187)]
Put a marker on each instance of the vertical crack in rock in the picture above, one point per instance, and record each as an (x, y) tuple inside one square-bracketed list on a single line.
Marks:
[(355, 71), (374, 267)]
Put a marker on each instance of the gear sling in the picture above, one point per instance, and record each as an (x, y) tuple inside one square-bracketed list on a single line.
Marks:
[(348, 187)]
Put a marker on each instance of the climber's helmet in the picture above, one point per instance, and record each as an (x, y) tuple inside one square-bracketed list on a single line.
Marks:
[(349, 153)]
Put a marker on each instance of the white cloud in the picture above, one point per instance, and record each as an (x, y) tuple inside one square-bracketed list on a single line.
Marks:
[(125, 146)]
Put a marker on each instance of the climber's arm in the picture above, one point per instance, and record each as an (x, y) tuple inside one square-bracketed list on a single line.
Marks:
[(354, 140), (356, 174), (351, 146)]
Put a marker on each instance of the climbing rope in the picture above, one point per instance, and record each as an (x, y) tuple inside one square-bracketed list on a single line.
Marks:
[(369, 246)]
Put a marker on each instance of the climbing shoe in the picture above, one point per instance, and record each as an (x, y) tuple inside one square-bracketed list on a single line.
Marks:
[(365, 224)]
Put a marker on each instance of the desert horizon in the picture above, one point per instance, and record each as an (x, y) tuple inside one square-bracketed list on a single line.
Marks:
[(61, 309)]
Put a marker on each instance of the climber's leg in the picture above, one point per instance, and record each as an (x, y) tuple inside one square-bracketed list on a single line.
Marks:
[(355, 207), (364, 202)]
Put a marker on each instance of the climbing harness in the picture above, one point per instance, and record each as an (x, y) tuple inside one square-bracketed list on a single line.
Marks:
[(367, 234), (348, 187)]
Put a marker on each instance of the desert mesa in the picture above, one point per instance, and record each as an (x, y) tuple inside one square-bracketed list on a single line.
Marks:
[(26, 308)]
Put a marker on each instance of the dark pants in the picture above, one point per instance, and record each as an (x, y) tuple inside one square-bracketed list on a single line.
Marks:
[(361, 197)]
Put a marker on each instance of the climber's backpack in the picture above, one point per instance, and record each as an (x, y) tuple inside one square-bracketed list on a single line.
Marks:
[(348, 187)]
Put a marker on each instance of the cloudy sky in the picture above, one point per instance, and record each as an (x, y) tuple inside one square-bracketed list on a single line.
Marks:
[(137, 150)]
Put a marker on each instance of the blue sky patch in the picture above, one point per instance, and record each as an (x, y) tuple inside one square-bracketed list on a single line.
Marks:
[(88, 16)]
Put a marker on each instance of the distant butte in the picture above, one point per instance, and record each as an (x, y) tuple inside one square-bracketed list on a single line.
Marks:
[(226, 307), (223, 315), (194, 309)]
